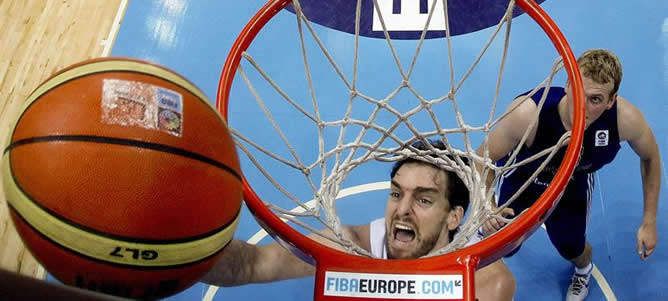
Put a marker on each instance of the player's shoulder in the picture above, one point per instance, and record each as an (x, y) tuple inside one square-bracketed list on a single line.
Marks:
[(629, 118), (522, 109), (625, 107), (628, 112), (359, 234)]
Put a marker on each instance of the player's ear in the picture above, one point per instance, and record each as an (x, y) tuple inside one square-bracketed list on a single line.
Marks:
[(612, 100), (455, 217)]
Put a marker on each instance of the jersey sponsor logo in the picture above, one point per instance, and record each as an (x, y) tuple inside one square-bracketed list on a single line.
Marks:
[(583, 168), (393, 286), (601, 137), (405, 19), (541, 183)]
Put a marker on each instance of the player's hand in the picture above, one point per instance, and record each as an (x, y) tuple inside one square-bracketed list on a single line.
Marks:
[(646, 240), (495, 223)]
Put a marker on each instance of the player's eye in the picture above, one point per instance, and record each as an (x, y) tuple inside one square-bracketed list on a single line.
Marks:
[(424, 201), (595, 99)]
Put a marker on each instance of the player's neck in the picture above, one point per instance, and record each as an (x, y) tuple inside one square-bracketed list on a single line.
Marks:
[(566, 119)]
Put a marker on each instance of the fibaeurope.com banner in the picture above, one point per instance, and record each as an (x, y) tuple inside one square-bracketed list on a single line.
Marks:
[(393, 286)]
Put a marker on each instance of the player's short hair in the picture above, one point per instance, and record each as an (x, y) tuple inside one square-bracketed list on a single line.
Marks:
[(601, 66)]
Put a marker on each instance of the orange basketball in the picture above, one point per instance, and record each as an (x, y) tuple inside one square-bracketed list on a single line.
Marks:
[(121, 177)]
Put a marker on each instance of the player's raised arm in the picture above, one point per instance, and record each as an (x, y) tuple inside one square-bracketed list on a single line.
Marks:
[(509, 130), (243, 263), (505, 136)]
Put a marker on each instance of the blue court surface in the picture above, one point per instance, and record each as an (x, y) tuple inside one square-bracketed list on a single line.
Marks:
[(194, 37)]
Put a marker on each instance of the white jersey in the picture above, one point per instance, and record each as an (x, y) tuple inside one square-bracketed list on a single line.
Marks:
[(377, 238)]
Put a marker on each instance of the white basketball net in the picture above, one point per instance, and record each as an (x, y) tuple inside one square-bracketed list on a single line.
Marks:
[(326, 173)]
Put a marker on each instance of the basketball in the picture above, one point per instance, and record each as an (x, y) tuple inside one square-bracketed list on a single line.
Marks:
[(122, 178)]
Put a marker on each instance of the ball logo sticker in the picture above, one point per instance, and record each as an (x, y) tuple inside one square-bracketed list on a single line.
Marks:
[(601, 138), (131, 103), (393, 286), (170, 106), (405, 19)]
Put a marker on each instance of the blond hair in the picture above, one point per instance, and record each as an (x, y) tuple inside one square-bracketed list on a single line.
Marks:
[(601, 66)]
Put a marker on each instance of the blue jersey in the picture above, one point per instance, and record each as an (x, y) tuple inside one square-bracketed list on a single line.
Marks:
[(600, 143), (566, 225)]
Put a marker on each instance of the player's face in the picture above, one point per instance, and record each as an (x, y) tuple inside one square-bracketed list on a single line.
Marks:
[(418, 216), (597, 99)]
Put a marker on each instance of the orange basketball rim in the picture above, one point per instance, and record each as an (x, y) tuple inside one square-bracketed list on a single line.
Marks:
[(462, 262)]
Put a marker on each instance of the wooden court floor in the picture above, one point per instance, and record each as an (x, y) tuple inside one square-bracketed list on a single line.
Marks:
[(39, 37)]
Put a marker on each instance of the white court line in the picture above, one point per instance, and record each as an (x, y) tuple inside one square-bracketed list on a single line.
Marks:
[(41, 272), (603, 284), (111, 37), (605, 287), (600, 279), (259, 235)]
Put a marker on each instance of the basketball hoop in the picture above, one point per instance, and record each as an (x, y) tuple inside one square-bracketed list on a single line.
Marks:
[(454, 267)]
